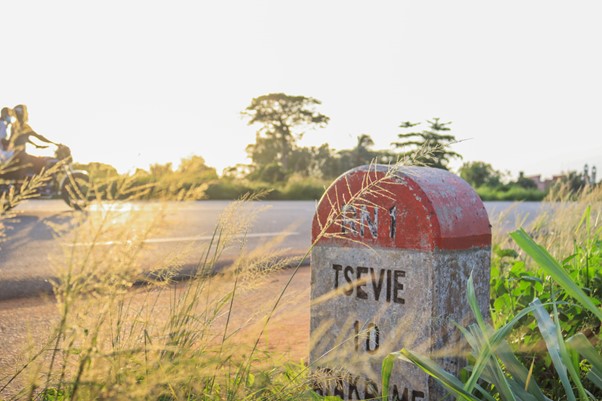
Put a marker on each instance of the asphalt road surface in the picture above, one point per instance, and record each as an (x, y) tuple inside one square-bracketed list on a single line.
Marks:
[(31, 241)]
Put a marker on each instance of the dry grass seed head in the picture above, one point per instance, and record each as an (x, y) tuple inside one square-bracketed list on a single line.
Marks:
[(236, 220), (562, 226)]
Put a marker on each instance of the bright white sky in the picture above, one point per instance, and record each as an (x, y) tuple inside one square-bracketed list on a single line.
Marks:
[(132, 83)]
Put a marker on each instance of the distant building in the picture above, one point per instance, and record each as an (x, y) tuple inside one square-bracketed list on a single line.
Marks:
[(587, 177), (543, 185), (590, 179)]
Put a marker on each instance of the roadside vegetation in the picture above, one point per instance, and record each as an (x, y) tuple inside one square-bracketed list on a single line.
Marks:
[(121, 333), (295, 172), (152, 338)]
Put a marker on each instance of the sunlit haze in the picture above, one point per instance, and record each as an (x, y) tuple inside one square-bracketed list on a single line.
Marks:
[(130, 83)]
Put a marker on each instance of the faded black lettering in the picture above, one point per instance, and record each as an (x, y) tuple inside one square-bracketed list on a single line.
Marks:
[(392, 213), (349, 279), (361, 294), (366, 221), (339, 389), (372, 391), (370, 283), (388, 285), (395, 396), (356, 338), (372, 338), (377, 286), (398, 286), (371, 335), (353, 388), (337, 269), (349, 219), (349, 386)]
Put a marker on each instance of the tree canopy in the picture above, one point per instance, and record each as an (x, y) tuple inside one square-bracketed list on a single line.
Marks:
[(479, 174), (434, 137), (283, 119)]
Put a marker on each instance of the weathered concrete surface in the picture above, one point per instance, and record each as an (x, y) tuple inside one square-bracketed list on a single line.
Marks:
[(389, 271), (412, 297)]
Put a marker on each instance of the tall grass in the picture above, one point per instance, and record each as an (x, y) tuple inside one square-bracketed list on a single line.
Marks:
[(116, 339)]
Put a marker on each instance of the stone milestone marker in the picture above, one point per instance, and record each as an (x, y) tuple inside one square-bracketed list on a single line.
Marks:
[(393, 253)]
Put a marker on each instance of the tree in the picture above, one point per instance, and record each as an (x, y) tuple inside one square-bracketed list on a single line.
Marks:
[(264, 151), (524, 182), (433, 138), (479, 174), (362, 152), (283, 119), (194, 169), (315, 161), (160, 170)]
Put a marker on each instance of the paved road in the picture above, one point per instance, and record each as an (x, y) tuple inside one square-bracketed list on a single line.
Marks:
[(30, 239)]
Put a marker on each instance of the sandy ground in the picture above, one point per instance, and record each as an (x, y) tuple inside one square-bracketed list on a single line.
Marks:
[(25, 323)]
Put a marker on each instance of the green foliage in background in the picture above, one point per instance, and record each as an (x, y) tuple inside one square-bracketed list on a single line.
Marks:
[(283, 120), (279, 162), (510, 193), (480, 174), (436, 136)]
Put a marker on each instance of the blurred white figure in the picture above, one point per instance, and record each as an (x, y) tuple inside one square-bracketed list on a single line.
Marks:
[(5, 132)]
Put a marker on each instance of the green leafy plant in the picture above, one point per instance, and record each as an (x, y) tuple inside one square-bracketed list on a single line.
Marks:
[(496, 372)]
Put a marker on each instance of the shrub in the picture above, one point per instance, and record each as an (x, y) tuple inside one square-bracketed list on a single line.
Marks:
[(303, 188), (513, 193)]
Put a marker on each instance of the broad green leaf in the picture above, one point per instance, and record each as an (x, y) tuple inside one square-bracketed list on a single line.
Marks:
[(519, 372), (554, 269), (485, 353), (594, 378), (579, 343), (488, 344), (548, 332), (469, 336), (453, 384), (387, 368), (568, 359), (485, 393), (520, 392)]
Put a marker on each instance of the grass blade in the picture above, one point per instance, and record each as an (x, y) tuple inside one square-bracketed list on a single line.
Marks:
[(486, 351), (387, 368), (548, 331), (594, 378), (554, 269), (579, 343), (519, 373), (453, 384)]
